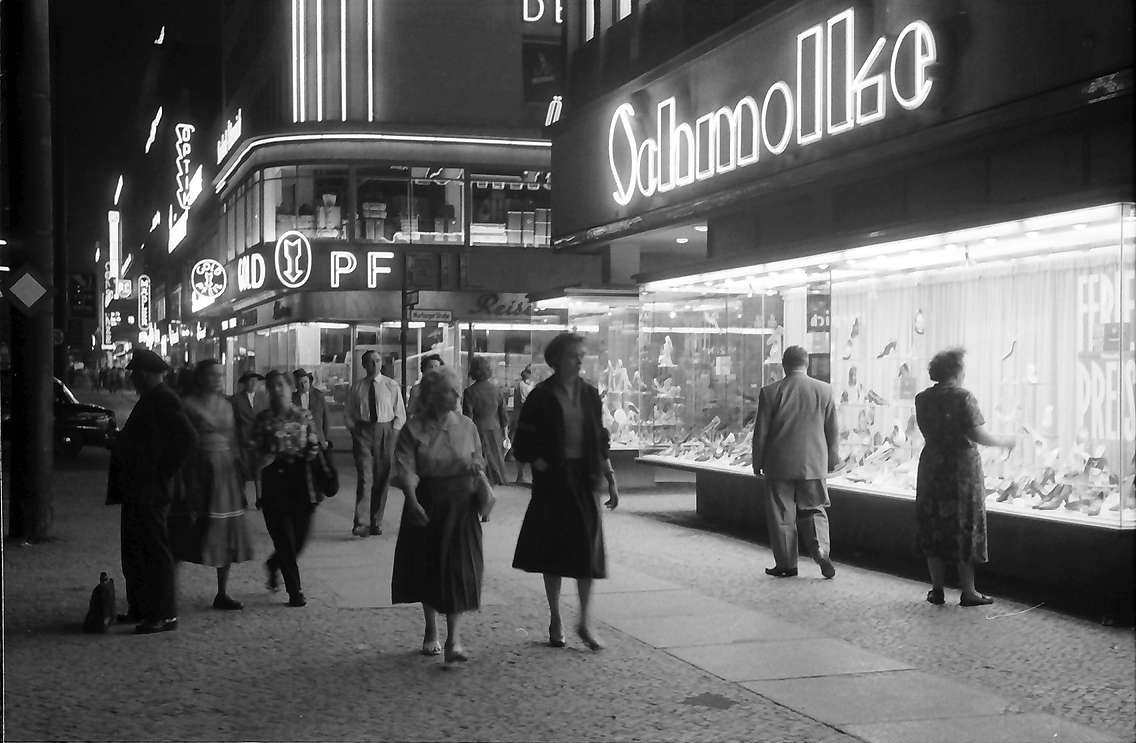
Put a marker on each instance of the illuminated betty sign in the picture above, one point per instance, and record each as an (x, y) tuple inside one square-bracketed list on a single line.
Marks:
[(832, 91), (229, 137)]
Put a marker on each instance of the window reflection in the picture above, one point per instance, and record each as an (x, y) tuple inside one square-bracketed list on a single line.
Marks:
[(381, 197)]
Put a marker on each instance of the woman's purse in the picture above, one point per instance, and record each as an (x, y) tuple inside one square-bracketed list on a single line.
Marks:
[(325, 479), (483, 495)]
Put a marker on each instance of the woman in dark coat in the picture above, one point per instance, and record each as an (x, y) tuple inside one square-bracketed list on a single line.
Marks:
[(285, 444), (561, 434), (437, 559), (950, 497), (485, 405)]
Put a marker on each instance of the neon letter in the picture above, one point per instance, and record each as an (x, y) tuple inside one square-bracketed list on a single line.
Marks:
[(848, 19), (374, 270), (783, 88), (623, 191), (754, 153), (817, 131), (342, 262), (924, 54)]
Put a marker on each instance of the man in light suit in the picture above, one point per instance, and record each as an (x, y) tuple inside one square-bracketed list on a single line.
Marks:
[(795, 447), (309, 398), (375, 414)]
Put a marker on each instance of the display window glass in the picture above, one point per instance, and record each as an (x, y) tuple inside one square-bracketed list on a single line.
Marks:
[(511, 209), (609, 322), (382, 198), (307, 198), (437, 198), (1044, 307)]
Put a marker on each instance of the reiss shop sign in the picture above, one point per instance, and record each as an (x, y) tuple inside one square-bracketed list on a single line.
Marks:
[(829, 87)]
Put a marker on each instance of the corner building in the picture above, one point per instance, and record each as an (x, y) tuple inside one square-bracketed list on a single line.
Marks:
[(370, 152), (876, 182)]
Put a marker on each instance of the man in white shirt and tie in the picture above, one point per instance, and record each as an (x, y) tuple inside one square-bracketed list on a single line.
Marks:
[(375, 414)]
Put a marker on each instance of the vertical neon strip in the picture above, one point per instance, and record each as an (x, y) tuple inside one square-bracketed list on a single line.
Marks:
[(319, 60), (343, 59), (303, 64), (370, 60), (295, 96)]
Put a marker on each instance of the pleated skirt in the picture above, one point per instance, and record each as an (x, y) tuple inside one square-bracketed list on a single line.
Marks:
[(440, 564)]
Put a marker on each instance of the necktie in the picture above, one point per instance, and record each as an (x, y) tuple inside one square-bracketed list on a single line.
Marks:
[(372, 402)]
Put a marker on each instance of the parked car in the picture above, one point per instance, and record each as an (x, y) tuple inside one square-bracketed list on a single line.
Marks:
[(77, 424)]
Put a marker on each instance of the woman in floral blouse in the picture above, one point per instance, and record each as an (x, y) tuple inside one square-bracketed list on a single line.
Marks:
[(285, 444)]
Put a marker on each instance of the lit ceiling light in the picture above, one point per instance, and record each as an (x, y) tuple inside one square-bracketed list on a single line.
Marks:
[(1032, 234), (700, 228), (682, 240), (990, 241), (1080, 226)]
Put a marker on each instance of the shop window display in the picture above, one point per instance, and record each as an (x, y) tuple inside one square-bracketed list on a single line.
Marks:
[(382, 198), (308, 198), (1044, 306), (513, 210), (437, 197), (610, 323)]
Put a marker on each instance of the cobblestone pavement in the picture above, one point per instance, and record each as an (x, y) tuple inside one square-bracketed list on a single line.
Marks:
[(342, 669)]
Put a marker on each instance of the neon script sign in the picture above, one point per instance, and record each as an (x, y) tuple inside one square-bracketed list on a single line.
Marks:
[(832, 95), (229, 137)]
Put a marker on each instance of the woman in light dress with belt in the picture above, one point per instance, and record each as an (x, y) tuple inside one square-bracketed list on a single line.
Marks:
[(438, 559)]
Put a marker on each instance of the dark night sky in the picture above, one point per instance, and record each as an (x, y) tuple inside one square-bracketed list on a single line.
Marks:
[(103, 48)]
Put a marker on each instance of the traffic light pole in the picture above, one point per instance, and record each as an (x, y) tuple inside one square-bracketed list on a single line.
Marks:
[(27, 30)]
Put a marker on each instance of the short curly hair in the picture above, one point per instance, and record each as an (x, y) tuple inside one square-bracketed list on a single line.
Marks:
[(433, 384), (558, 346), (429, 359), (947, 364), (479, 368)]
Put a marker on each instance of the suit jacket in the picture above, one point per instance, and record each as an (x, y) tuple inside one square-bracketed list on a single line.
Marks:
[(796, 434), (540, 432), (157, 439), (317, 406)]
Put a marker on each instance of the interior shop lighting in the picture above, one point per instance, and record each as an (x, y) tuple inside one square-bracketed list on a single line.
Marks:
[(700, 228), (1105, 213), (5, 269), (682, 240), (332, 325), (254, 144)]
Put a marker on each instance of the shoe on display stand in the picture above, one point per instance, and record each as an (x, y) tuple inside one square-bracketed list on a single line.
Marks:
[(920, 323), (887, 350), (1010, 351)]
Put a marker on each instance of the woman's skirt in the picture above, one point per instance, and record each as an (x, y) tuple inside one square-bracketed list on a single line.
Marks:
[(440, 564), (493, 447), (213, 516), (950, 505), (562, 533)]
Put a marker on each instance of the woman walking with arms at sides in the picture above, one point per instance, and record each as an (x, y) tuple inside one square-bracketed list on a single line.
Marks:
[(285, 445), (212, 480), (438, 559), (520, 393), (484, 404), (950, 506), (561, 434)]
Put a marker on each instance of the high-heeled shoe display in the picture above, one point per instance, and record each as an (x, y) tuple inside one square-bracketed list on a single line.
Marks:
[(887, 350), (1010, 351), (1055, 499), (920, 326)]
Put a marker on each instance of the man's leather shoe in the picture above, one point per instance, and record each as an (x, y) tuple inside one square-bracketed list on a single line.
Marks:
[(781, 572), (826, 567), (162, 625), (360, 531), (297, 599), (376, 531), (130, 617)]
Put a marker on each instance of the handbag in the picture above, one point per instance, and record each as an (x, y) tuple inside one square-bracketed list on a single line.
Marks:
[(325, 479), (101, 611)]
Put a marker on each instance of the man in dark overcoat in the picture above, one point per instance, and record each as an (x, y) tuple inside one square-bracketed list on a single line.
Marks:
[(153, 445), (247, 403)]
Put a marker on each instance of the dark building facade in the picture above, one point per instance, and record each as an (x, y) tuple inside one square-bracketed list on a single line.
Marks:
[(876, 181)]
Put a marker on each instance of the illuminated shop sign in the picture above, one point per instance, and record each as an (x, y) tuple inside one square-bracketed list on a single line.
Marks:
[(555, 107), (114, 241), (208, 280), (156, 220), (144, 303), (188, 184), (230, 136), (296, 264), (832, 90), (154, 129), (534, 10)]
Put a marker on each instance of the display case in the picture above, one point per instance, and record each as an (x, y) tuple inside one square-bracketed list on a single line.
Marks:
[(609, 320), (1045, 307)]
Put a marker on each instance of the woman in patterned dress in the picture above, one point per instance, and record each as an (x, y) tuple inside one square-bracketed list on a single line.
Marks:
[(485, 405), (285, 445), (212, 479), (950, 497), (438, 559)]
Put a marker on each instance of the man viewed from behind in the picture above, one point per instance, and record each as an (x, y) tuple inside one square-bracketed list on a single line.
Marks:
[(151, 449), (795, 447), (374, 415)]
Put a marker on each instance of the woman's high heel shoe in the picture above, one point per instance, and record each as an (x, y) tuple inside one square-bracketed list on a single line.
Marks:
[(588, 638), (935, 596), (454, 655), (555, 640)]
